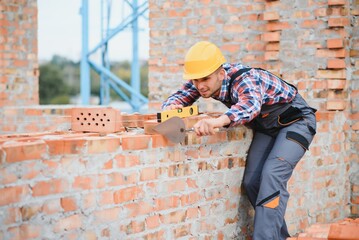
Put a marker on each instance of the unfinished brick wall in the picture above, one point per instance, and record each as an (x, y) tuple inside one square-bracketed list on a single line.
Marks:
[(313, 44), (122, 186), (18, 53)]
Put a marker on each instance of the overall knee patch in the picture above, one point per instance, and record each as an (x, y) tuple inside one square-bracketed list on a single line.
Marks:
[(271, 201), (298, 138)]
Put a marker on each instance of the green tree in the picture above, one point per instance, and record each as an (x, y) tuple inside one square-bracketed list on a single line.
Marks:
[(51, 81), (60, 79)]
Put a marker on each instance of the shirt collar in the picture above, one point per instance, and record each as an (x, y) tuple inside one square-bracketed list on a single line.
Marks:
[(224, 93)]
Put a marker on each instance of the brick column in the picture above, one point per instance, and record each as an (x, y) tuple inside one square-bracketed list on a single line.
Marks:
[(236, 27), (354, 103), (18, 53)]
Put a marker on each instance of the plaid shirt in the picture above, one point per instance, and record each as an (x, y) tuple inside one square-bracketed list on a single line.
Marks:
[(248, 93)]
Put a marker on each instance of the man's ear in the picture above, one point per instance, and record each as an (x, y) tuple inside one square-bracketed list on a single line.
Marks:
[(222, 73)]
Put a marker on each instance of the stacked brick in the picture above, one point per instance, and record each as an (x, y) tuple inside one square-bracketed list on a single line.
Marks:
[(346, 229), (18, 53)]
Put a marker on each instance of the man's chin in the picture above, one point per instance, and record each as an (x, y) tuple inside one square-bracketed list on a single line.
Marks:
[(205, 95)]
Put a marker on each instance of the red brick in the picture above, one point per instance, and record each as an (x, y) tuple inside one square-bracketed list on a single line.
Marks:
[(331, 74), (152, 222), (107, 215), (275, 26), (271, 37), (83, 182), (161, 141), (331, 53), (336, 84), (103, 144), (53, 186), (26, 231), (65, 146), (271, 55), (346, 231), (191, 198), (336, 2), (167, 203), (149, 174), (336, 63), (338, 22), (312, 24), (21, 151), (354, 53), (106, 198), (270, 16), (68, 223), (354, 199), (135, 142), (125, 161), (68, 204), (126, 194), (174, 217), (139, 209), (335, 105), (335, 43), (135, 227), (13, 194)]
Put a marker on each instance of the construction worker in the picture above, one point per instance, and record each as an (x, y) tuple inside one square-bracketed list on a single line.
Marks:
[(283, 125)]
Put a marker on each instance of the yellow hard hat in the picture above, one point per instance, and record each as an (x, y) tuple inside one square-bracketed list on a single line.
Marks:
[(201, 60)]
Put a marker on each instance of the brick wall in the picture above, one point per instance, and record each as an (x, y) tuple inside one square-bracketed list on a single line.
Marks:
[(18, 53), (122, 186)]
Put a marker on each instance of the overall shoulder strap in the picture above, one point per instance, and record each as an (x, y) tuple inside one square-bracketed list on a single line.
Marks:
[(279, 78), (237, 74)]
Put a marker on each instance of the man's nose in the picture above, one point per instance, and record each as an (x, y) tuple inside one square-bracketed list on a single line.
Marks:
[(199, 85)]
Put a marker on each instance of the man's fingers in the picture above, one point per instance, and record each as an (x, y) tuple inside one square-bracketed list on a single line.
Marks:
[(203, 128), (173, 106)]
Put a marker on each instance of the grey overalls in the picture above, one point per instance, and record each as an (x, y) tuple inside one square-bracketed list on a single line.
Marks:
[(282, 134)]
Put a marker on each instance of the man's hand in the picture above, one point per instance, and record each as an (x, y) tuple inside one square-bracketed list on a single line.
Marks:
[(206, 127), (173, 106)]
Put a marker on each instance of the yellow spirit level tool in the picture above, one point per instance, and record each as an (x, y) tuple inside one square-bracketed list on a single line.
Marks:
[(180, 112)]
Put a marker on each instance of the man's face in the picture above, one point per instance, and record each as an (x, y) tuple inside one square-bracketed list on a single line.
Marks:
[(210, 85)]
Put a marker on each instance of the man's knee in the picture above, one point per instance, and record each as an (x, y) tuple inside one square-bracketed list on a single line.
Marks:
[(250, 184)]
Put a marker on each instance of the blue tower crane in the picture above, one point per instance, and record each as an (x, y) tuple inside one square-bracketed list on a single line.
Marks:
[(108, 79)]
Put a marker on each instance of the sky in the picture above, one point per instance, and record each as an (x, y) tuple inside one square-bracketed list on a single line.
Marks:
[(59, 30)]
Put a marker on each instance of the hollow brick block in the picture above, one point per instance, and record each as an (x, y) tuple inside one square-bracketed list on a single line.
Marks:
[(101, 120)]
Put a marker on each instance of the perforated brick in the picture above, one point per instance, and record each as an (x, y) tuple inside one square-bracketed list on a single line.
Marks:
[(101, 120)]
